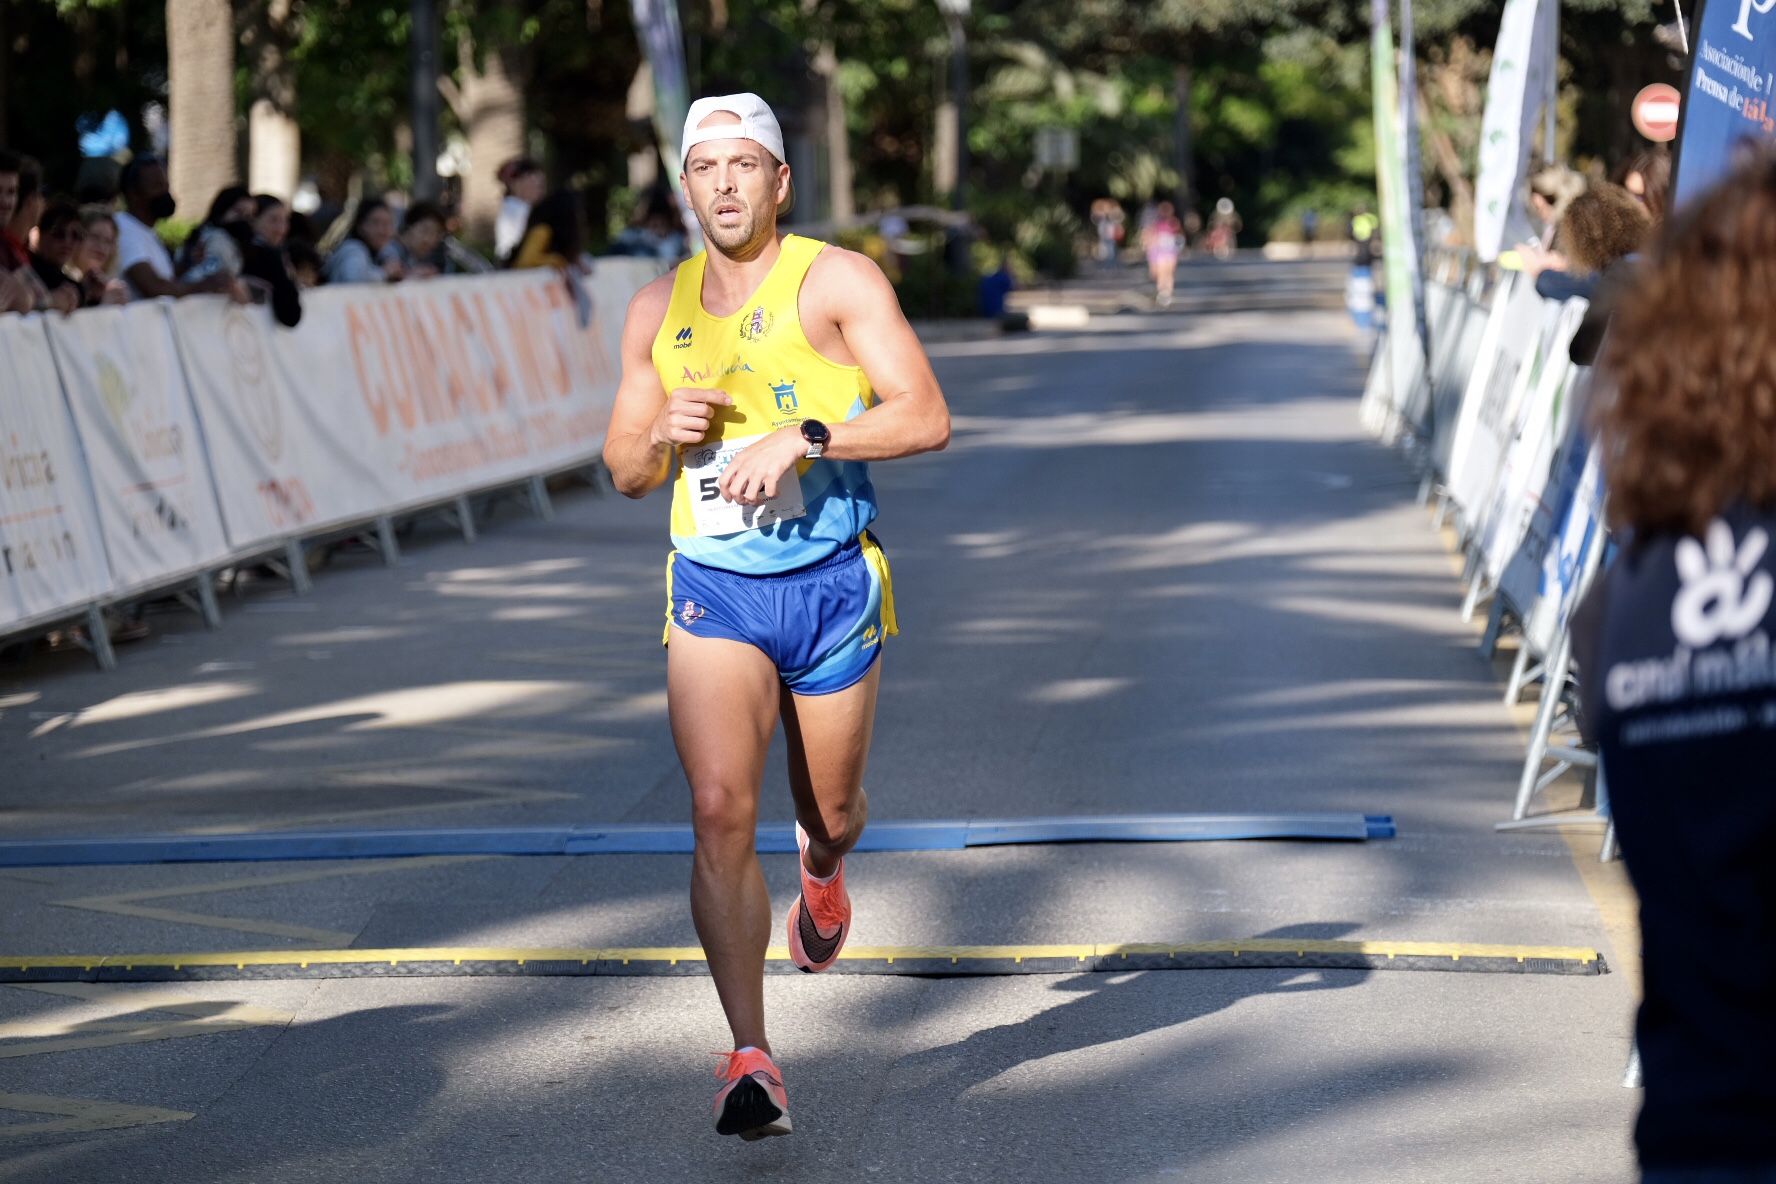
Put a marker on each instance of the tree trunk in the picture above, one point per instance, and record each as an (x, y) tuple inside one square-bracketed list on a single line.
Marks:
[(200, 84), (490, 105), (274, 140), (1181, 143), (842, 205), (644, 164)]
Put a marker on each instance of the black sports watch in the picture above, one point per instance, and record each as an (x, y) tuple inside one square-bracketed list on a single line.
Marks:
[(817, 435)]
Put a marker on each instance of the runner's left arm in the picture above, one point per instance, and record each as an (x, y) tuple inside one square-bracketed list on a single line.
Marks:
[(912, 416)]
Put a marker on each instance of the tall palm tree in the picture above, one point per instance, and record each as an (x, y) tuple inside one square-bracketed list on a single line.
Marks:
[(200, 81)]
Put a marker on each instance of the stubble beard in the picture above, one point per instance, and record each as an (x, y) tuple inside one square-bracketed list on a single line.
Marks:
[(732, 240)]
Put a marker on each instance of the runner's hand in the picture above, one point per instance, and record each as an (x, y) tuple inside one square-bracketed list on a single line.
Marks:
[(687, 416), (753, 475)]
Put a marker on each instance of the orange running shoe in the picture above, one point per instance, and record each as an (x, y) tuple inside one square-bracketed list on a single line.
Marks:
[(753, 1104), (820, 918)]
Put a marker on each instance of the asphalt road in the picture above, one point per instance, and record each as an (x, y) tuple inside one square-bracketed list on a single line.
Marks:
[(1160, 569)]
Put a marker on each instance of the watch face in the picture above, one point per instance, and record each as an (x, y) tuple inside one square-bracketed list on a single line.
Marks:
[(815, 432)]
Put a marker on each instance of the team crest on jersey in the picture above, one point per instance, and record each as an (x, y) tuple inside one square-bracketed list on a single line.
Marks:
[(786, 396), (757, 324), (691, 612)]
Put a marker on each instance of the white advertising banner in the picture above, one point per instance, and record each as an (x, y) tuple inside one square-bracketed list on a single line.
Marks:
[(1488, 406), (391, 397), (1522, 80), (1537, 426), (51, 558), (157, 508)]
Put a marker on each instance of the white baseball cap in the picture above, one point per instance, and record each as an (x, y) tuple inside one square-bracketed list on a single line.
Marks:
[(757, 122)]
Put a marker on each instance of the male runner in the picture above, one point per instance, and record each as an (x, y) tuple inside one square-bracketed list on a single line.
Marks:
[(773, 367)]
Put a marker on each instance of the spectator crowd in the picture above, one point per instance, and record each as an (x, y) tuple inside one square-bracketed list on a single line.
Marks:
[(59, 255)]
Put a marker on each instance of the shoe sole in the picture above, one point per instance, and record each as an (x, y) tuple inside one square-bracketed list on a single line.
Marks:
[(798, 954), (750, 1113)]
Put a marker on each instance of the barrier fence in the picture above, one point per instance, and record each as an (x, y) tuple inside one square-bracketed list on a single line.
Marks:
[(144, 447), (1494, 423)]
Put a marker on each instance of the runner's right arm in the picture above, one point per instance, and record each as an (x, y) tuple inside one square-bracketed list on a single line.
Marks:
[(647, 425)]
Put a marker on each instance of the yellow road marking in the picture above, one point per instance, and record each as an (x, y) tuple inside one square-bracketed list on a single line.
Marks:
[(124, 904), (79, 1114)]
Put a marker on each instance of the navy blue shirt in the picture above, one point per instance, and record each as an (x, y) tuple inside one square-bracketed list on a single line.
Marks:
[(1678, 686)]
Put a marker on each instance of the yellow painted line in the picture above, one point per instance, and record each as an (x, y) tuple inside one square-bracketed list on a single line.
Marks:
[(240, 959), (76, 1115), (124, 904)]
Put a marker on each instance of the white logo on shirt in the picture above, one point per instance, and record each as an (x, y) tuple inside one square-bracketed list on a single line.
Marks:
[(1720, 596)]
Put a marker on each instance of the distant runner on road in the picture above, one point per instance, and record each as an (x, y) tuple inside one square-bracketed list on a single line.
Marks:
[(772, 367)]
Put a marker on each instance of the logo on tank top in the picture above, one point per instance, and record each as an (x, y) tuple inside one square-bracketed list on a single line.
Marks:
[(1723, 594), (683, 340), (757, 325), (786, 396)]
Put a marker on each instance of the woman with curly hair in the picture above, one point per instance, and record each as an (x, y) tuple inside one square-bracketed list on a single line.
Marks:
[(1679, 673)]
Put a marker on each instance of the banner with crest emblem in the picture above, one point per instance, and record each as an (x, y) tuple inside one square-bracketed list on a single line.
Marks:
[(156, 505)]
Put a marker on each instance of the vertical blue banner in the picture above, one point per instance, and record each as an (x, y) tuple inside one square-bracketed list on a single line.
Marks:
[(1730, 103)]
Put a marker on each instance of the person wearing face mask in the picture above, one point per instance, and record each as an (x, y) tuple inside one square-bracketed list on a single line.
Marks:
[(143, 261)]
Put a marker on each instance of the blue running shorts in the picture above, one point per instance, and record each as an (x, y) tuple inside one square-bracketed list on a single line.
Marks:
[(822, 626)]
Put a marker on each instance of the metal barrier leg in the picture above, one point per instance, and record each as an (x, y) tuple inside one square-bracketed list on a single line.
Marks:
[(1424, 490), (465, 517), (1514, 688), (1631, 1076), (1442, 511), (297, 561), (206, 601), (1610, 851), (98, 635), (539, 499), (385, 541), (1476, 592), (1553, 685)]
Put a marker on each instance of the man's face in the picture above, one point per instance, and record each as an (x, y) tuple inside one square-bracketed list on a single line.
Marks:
[(734, 189), (151, 184), (9, 192)]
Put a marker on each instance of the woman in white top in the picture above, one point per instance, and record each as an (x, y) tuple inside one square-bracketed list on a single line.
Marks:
[(367, 256), (525, 182)]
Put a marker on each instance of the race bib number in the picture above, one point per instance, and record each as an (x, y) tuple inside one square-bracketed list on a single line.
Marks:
[(704, 465)]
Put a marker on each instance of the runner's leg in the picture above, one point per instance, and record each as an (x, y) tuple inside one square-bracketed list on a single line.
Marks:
[(722, 698), (829, 739)]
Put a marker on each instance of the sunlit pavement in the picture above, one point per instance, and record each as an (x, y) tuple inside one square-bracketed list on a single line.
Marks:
[(1159, 569)]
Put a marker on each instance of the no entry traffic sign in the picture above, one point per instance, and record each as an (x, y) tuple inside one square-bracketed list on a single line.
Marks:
[(1655, 111)]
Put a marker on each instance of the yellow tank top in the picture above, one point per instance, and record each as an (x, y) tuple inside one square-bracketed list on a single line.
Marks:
[(763, 360)]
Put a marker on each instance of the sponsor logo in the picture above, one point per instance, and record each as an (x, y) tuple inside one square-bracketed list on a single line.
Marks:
[(871, 636), (690, 613), (739, 365), (256, 396), (683, 340), (758, 325), (786, 396), (1723, 595), (702, 456)]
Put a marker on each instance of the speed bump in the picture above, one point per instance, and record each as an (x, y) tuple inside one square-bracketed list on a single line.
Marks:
[(930, 961)]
